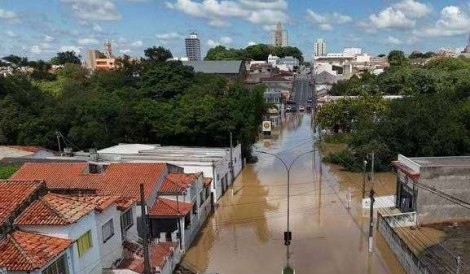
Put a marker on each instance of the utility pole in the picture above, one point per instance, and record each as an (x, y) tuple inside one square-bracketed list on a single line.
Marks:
[(371, 195), (144, 229), (364, 167), (231, 159), (458, 264), (57, 134)]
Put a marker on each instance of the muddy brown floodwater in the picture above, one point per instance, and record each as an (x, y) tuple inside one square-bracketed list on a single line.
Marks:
[(245, 235)]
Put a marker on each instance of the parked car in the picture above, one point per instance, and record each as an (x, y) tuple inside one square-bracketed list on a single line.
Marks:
[(301, 108), (288, 108)]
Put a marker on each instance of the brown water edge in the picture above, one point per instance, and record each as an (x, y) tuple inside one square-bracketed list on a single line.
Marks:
[(245, 235)]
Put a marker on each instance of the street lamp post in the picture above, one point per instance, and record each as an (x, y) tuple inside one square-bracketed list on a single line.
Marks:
[(287, 234)]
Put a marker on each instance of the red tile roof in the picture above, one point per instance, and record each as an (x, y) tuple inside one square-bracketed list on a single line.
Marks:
[(33, 149), (178, 182), (28, 251), (14, 193), (54, 209), (157, 253), (123, 203), (167, 207), (207, 181), (121, 179), (101, 202)]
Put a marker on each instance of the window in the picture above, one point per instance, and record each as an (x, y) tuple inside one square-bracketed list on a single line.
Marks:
[(126, 220), (195, 208), (107, 230), (201, 198), (84, 243), (57, 267)]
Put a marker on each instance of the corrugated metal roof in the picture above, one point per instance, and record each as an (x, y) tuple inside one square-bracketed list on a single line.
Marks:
[(222, 67)]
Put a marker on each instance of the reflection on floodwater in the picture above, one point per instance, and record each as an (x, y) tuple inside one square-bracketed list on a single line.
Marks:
[(245, 235)]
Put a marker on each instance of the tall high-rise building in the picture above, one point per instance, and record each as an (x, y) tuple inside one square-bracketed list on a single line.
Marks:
[(279, 37), (467, 48), (320, 47), (193, 47)]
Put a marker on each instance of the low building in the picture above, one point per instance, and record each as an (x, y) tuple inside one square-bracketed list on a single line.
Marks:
[(58, 233), (181, 208), (233, 70), (415, 176), (213, 162)]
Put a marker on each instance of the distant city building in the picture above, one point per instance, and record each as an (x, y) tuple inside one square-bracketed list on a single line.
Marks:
[(176, 58), (101, 61), (279, 37), (467, 48), (234, 70), (352, 51), (273, 59), (320, 47), (193, 47)]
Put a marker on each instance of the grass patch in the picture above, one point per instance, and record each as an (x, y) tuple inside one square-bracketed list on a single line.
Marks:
[(338, 138), (7, 170)]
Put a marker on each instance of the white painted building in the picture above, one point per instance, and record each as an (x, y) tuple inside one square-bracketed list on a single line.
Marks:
[(320, 48), (212, 162)]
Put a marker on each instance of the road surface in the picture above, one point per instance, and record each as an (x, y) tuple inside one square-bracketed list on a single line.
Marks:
[(302, 89), (245, 235)]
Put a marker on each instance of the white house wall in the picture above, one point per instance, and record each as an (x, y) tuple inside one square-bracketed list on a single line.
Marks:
[(111, 250), (89, 263)]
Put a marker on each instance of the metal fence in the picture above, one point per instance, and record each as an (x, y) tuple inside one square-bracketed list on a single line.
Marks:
[(409, 261)]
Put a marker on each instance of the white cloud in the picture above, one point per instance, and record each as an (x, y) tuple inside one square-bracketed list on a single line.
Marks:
[(125, 51), (169, 36), (391, 18), (97, 28), (393, 40), (70, 48), (48, 38), (224, 41), (9, 16), (11, 34), (413, 9), (452, 21), (326, 27), (326, 21), (219, 23), (137, 44), (46, 45), (251, 43), (211, 43), (88, 41), (316, 17), (35, 49), (99, 10), (264, 12)]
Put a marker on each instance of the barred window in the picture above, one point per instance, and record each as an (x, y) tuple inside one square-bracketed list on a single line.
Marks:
[(126, 220), (107, 230), (57, 267)]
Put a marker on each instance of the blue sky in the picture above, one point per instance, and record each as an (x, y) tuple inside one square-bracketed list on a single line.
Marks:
[(40, 28)]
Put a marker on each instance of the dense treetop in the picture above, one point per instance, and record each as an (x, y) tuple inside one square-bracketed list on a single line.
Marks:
[(142, 102), (433, 118), (254, 52)]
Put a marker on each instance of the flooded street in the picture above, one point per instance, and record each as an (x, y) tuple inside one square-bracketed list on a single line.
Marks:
[(245, 235)]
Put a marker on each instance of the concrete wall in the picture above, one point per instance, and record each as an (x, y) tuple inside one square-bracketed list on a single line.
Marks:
[(451, 180), (90, 262), (111, 250)]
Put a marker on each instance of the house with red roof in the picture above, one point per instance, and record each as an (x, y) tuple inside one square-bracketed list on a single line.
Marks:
[(182, 206), (55, 233), (112, 185)]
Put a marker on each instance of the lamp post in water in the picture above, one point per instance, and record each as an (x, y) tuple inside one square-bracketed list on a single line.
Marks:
[(287, 233)]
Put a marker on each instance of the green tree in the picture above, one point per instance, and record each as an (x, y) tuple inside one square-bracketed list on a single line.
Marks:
[(397, 58), (66, 57), (159, 54)]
